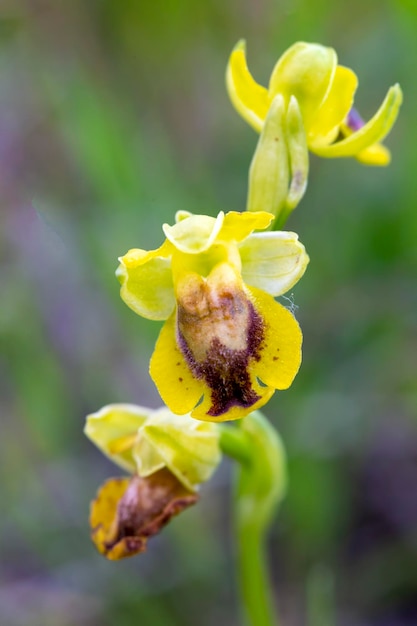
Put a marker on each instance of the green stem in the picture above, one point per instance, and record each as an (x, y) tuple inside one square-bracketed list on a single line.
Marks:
[(252, 571), (282, 217), (233, 442), (261, 480)]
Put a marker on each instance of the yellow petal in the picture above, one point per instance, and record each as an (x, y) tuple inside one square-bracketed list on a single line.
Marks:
[(372, 132), (135, 257), (335, 108), (305, 71), (102, 515), (273, 261), (182, 215), (190, 449), (146, 282), (178, 388), (113, 430), (377, 154), (147, 458), (237, 226), (249, 99), (281, 348), (194, 234)]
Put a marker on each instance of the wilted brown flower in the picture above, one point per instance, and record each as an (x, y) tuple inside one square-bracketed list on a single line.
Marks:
[(127, 511)]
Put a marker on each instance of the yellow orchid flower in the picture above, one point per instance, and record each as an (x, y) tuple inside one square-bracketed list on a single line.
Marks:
[(143, 441), (226, 344), (308, 74), (169, 456)]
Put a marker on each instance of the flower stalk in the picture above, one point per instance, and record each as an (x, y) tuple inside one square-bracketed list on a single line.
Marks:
[(226, 344), (260, 486)]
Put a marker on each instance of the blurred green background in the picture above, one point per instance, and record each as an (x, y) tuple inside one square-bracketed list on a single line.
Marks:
[(114, 115)]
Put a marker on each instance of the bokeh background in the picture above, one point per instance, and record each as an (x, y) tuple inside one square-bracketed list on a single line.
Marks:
[(113, 115)]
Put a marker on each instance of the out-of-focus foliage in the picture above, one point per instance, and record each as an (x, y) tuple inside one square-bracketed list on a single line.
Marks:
[(113, 115)]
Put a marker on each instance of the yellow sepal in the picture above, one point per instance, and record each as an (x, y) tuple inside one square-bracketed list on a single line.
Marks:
[(190, 449), (146, 282), (250, 99), (113, 429), (371, 133)]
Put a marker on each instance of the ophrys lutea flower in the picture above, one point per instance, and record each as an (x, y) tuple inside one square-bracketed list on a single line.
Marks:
[(168, 455), (226, 344), (308, 75)]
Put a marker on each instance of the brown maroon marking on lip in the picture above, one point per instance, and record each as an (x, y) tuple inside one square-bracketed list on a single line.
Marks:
[(225, 370)]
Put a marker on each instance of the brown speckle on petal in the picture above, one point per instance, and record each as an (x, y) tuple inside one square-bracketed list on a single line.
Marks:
[(127, 511)]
